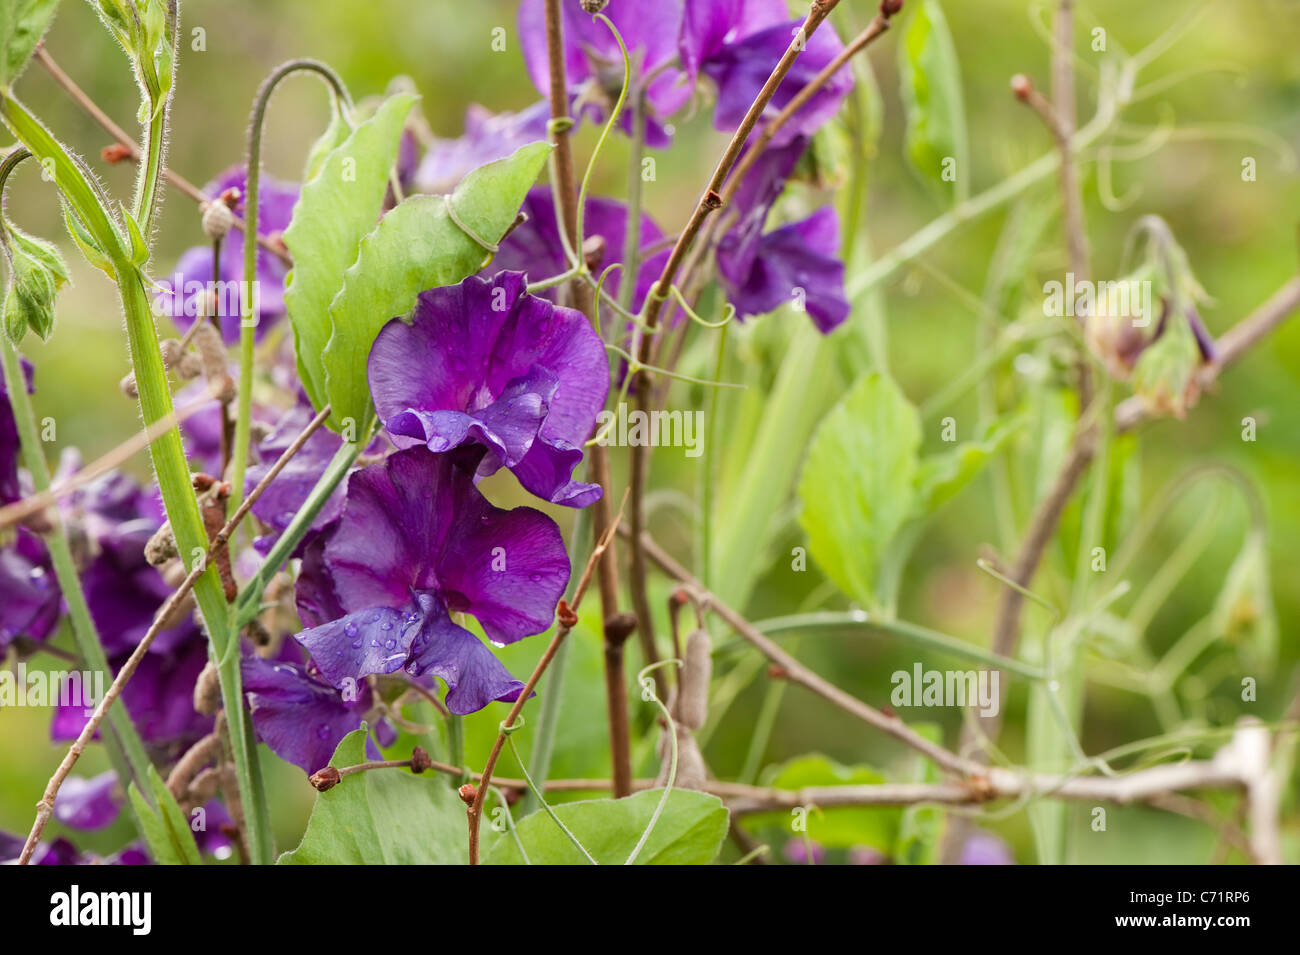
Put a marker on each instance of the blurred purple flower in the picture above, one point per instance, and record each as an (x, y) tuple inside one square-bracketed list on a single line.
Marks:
[(193, 272), (30, 601), (593, 63), (534, 247), (488, 136), (10, 486), (416, 543), (88, 803), (797, 262), (797, 851), (984, 848), (867, 855), (485, 363), (736, 43)]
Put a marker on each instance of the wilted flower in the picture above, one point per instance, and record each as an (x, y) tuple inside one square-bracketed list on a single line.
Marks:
[(190, 281), (795, 263), (485, 363), (416, 543), (594, 64)]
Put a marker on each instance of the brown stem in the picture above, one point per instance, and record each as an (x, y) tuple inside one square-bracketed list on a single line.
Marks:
[(794, 671), (584, 301), (567, 615)]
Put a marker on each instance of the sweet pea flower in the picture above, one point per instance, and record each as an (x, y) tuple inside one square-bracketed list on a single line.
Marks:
[(416, 543), (593, 62), (485, 363), (737, 42), (761, 271), (193, 273)]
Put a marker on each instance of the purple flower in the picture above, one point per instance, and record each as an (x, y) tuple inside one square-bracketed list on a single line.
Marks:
[(88, 803), (488, 137), (416, 543), (984, 848), (804, 852), (193, 272), (300, 717), (29, 592), (285, 496), (535, 247), (736, 43), (796, 262), (484, 363), (593, 63), (10, 486)]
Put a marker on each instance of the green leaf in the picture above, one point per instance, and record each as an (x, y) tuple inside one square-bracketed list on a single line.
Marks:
[(418, 245), (334, 212), (857, 486), (689, 831), (942, 476), (383, 817), (931, 89), (842, 827), (22, 24), (166, 830), (334, 136)]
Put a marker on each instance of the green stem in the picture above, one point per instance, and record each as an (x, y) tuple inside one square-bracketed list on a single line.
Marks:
[(168, 454), (248, 320), (249, 600), (130, 755)]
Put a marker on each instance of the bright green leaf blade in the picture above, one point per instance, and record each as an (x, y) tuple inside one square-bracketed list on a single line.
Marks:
[(22, 24), (931, 87), (839, 828), (167, 833), (383, 817), (689, 832), (334, 212), (418, 246), (857, 486)]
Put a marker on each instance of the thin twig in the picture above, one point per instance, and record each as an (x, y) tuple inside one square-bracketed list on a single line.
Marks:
[(45, 808), (15, 512), (796, 672), (567, 615)]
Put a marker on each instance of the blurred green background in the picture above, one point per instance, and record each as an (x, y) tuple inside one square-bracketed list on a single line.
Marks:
[(1241, 98)]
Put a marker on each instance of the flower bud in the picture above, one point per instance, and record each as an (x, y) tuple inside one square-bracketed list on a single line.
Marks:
[(217, 220), (325, 779), (36, 273)]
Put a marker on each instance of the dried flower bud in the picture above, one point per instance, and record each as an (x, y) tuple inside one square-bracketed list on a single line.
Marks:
[(420, 760), (889, 8), (207, 690), (594, 6), (128, 386), (1022, 87), (693, 699), (468, 793), (115, 153), (161, 547), (212, 356), (217, 220), (325, 779)]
